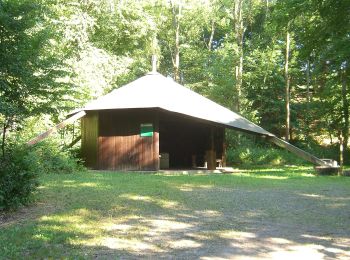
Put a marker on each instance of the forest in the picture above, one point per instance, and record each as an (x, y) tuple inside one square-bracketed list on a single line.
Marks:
[(283, 64)]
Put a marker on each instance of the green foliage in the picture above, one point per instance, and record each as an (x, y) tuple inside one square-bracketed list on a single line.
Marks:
[(31, 66), (18, 177), (21, 166), (261, 155), (330, 151), (252, 150), (52, 159), (28, 71)]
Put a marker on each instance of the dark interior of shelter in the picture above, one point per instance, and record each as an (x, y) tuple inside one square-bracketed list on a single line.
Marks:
[(183, 142)]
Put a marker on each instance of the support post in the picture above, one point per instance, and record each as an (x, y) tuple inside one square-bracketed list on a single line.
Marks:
[(224, 149), (211, 154)]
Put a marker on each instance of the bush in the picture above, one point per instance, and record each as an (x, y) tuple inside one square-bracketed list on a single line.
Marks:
[(20, 168), (320, 151), (253, 150), (52, 159), (261, 156), (18, 178)]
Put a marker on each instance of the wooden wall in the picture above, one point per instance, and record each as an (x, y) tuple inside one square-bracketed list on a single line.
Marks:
[(120, 146), (111, 139), (89, 135)]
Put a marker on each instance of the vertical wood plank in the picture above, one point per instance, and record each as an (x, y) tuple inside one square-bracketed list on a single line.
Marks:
[(156, 162), (89, 141), (117, 153)]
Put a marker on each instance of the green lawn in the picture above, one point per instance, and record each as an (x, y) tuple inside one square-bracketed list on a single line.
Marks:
[(259, 213)]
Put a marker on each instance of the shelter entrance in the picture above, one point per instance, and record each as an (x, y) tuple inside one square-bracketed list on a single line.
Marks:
[(184, 143)]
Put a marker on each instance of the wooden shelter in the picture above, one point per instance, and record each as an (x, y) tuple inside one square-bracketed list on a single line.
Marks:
[(154, 123)]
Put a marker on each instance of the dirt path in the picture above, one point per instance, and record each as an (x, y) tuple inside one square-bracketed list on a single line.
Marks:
[(162, 217), (279, 225)]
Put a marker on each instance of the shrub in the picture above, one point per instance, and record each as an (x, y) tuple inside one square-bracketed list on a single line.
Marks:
[(321, 151), (52, 159), (18, 178), (20, 168), (261, 155)]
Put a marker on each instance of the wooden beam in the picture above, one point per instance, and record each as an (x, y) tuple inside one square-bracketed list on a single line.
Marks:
[(74, 141), (297, 151), (56, 127)]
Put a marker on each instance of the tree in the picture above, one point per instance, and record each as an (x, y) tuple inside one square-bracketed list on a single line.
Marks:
[(29, 70), (326, 38)]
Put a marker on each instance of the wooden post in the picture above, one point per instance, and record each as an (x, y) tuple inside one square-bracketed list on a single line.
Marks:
[(224, 149), (56, 127), (224, 154), (211, 154), (194, 161)]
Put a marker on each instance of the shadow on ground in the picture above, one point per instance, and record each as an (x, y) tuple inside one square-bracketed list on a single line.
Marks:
[(108, 215)]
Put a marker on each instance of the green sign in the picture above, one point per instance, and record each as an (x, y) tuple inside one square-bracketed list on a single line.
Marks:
[(146, 130)]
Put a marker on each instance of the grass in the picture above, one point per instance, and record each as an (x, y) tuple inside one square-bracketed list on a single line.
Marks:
[(257, 212)]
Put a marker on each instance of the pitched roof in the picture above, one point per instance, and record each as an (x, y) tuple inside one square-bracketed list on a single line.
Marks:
[(156, 91)]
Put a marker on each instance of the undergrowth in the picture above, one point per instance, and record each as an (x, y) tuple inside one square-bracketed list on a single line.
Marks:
[(21, 166)]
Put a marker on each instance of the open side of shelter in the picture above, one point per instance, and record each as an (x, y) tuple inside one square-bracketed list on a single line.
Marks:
[(154, 122)]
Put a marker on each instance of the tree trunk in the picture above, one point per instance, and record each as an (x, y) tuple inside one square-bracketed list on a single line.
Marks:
[(308, 101), (239, 33), (177, 53), (4, 129), (210, 43), (287, 87), (341, 150), (345, 128), (267, 7), (176, 23), (308, 84)]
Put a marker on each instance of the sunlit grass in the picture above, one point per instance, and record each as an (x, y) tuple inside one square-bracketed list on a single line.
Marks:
[(112, 215)]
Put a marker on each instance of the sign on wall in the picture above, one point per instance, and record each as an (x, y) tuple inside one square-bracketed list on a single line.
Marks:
[(146, 130)]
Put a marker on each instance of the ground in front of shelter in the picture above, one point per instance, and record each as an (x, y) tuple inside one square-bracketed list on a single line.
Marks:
[(280, 213)]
